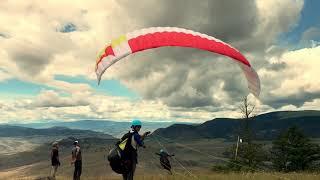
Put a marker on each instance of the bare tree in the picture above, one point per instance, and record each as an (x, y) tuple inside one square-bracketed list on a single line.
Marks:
[(247, 112), (247, 155), (247, 108), (251, 154)]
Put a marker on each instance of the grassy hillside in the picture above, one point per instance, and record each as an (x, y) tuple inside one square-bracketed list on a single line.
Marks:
[(194, 160), (95, 163)]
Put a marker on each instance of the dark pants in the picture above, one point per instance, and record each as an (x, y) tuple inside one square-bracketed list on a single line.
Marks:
[(130, 174), (77, 170)]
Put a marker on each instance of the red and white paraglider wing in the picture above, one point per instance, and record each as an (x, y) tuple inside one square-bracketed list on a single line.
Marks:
[(170, 36)]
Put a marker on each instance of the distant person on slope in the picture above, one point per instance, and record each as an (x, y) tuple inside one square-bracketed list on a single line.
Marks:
[(134, 140), (164, 160), (76, 160), (54, 159)]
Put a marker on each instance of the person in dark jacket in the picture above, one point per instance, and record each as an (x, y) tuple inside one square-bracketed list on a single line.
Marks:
[(55, 163), (76, 160), (164, 160), (136, 141)]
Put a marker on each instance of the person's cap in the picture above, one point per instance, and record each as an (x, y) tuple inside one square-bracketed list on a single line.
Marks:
[(75, 142)]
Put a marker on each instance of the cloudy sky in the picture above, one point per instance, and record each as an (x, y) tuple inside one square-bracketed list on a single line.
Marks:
[(48, 51)]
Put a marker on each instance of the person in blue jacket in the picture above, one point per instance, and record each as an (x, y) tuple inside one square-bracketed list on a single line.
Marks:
[(135, 141)]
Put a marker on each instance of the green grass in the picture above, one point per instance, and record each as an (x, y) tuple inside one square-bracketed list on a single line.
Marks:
[(205, 176)]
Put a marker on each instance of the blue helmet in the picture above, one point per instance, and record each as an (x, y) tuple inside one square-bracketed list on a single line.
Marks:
[(136, 122), (161, 150)]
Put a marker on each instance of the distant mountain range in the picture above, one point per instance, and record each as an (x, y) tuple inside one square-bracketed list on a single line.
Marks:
[(17, 131), (113, 128), (265, 126)]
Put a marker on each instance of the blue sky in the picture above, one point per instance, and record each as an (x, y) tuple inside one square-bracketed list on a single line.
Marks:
[(14, 87), (111, 87), (309, 18), (47, 72)]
